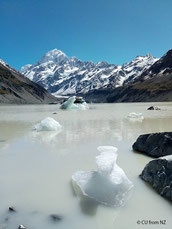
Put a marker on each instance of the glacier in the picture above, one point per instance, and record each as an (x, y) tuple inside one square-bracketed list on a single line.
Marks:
[(47, 124), (109, 184), (69, 104)]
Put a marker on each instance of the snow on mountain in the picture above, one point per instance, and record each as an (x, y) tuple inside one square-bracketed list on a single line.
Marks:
[(25, 68), (135, 68), (160, 68), (62, 75)]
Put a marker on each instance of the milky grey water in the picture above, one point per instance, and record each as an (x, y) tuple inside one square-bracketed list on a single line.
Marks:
[(36, 168)]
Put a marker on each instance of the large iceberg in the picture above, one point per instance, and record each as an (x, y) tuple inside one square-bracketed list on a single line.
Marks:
[(47, 124), (109, 184), (135, 117), (70, 104)]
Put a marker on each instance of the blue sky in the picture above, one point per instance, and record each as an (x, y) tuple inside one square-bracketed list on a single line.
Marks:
[(112, 30)]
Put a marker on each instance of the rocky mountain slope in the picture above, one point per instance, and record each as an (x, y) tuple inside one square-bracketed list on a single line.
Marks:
[(62, 75), (15, 88), (154, 84)]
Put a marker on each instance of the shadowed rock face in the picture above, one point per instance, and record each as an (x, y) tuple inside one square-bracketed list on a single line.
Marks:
[(15, 88), (158, 173), (154, 145)]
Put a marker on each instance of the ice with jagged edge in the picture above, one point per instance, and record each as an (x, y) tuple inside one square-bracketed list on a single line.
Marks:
[(47, 124), (108, 185), (69, 104), (135, 117)]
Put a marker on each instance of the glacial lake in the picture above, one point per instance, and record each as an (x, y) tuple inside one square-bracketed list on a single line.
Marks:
[(36, 168)]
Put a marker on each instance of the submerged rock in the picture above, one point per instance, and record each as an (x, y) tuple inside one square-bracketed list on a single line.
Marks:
[(11, 209), (158, 173), (154, 145), (109, 184), (153, 108), (56, 217)]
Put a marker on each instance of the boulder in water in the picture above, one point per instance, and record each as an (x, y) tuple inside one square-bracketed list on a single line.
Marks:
[(153, 108), (158, 173), (155, 144)]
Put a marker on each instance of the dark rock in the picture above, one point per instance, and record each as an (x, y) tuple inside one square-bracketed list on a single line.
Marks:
[(153, 108), (6, 219), (154, 145), (79, 100), (22, 227), (54, 113), (12, 209), (56, 217), (158, 173)]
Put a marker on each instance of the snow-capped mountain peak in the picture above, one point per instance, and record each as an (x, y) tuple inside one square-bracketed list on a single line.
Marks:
[(54, 55), (25, 68), (62, 75)]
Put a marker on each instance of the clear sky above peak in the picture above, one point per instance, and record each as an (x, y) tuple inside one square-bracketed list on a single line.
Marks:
[(115, 31)]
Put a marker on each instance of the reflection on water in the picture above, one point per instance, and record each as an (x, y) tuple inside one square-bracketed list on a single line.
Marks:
[(88, 206), (44, 137), (36, 168)]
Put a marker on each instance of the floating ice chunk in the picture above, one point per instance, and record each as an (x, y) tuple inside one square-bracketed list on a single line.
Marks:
[(135, 116), (109, 184), (69, 104), (83, 106), (47, 124)]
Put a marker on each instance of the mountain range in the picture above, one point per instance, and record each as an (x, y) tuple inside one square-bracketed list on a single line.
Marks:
[(145, 78), (18, 89), (62, 75), (152, 85)]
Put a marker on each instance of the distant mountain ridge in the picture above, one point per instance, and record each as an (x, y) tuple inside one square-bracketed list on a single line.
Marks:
[(62, 75), (153, 85), (15, 88)]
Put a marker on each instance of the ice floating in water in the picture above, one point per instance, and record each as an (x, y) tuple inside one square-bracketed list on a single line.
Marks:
[(69, 104), (135, 116), (109, 184), (83, 106), (47, 124)]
